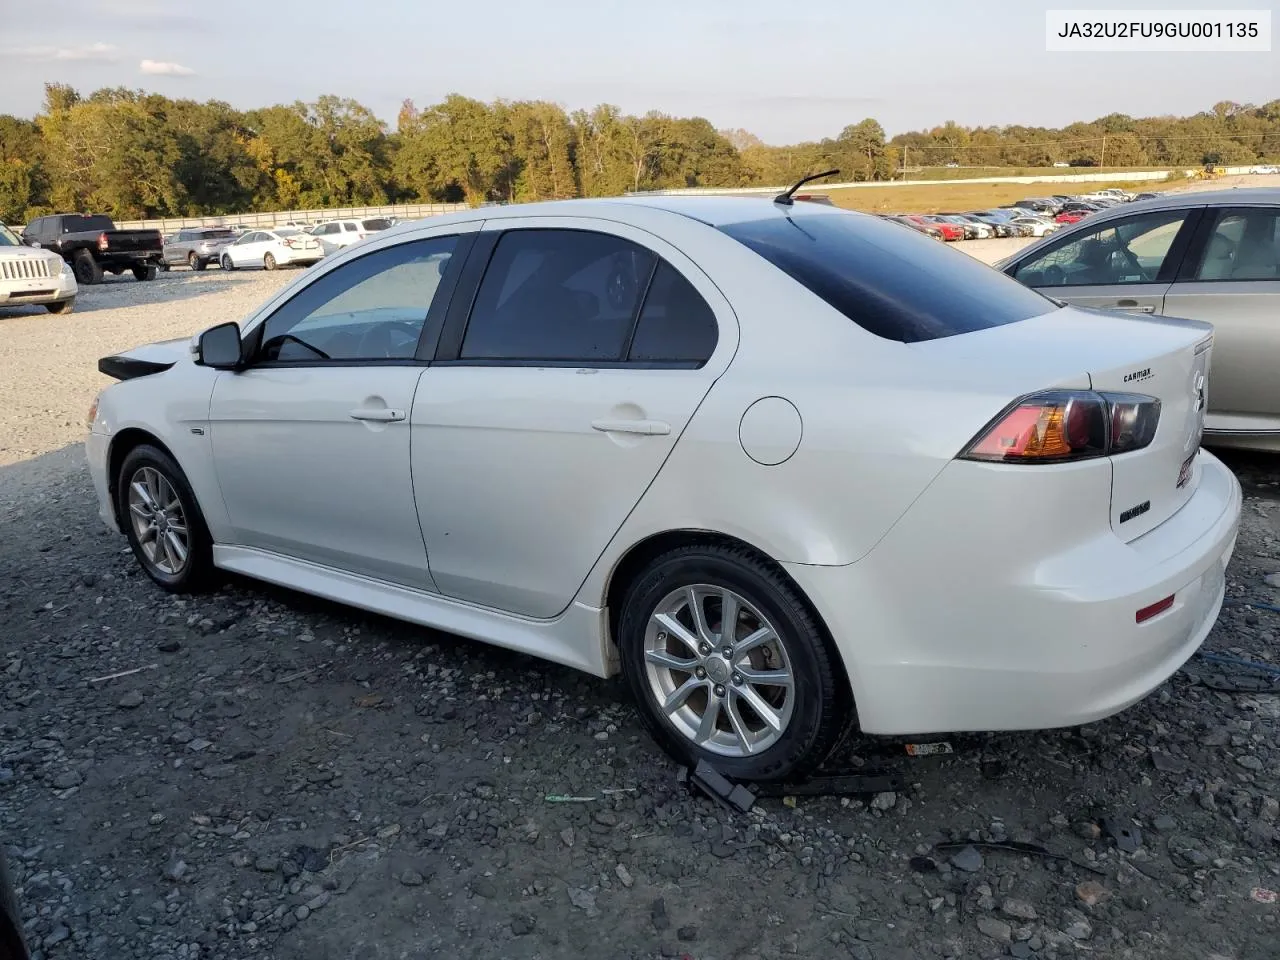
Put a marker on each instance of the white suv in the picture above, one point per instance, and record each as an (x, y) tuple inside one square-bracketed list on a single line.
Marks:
[(29, 276), (336, 234)]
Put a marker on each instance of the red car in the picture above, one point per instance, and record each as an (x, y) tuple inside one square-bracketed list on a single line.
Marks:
[(950, 231), (1071, 216)]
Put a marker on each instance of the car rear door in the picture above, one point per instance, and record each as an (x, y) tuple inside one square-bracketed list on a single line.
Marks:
[(1125, 263), (558, 392), (1230, 278)]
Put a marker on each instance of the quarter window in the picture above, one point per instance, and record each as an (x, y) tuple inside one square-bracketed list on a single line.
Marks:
[(567, 295), (1244, 245), (372, 308), (676, 324), (1129, 251)]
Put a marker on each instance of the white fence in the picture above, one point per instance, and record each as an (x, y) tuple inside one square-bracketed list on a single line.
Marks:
[(406, 211)]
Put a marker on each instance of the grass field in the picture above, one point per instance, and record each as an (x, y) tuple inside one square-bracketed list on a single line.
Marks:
[(964, 196)]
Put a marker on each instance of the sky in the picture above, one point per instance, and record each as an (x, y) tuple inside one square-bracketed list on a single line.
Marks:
[(785, 71)]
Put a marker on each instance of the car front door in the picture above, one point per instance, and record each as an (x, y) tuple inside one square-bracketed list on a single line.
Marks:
[(243, 252), (311, 439), (1231, 279), (552, 406), (1124, 263)]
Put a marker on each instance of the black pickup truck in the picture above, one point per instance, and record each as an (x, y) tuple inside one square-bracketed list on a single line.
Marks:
[(93, 246)]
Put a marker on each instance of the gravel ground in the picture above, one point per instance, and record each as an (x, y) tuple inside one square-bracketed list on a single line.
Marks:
[(255, 773)]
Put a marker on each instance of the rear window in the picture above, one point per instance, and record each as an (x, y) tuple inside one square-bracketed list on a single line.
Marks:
[(897, 284), (217, 234), (74, 224), (378, 223)]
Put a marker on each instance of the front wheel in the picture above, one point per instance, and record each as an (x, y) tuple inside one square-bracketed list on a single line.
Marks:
[(61, 306), (269, 262), (226, 263), (730, 665), (163, 522)]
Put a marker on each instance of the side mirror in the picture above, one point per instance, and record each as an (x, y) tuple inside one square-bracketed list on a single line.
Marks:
[(219, 347)]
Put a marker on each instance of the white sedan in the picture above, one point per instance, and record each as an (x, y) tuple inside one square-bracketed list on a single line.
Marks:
[(786, 467), (269, 249)]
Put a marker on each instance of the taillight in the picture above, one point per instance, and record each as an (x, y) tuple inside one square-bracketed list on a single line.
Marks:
[(1063, 425), (102, 241)]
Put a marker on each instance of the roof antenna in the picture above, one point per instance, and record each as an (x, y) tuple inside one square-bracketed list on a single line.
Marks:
[(785, 198)]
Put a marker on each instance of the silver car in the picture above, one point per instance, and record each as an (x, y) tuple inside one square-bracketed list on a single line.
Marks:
[(197, 247), (1207, 256)]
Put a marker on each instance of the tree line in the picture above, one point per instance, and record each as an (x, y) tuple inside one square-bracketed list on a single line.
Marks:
[(135, 154)]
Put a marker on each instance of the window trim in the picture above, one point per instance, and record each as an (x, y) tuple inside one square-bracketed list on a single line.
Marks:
[(1168, 269), (1198, 245), (428, 336), (449, 351)]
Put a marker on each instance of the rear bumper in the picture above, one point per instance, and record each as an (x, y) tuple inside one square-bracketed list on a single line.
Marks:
[(945, 627)]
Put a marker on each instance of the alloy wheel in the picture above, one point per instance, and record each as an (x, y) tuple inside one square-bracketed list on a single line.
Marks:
[(159, 522), (719, 671)]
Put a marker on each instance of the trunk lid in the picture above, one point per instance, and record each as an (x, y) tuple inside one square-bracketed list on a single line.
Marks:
[(1111, 352)]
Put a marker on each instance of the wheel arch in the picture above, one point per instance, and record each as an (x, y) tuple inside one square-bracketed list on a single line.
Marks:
[(121, 444), (640, 554)]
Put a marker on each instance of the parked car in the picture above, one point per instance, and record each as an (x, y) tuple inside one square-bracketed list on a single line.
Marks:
[(1001, 225), (928, 229), (336, 234), (1207, 256), (949, 231), (968, 231), (1034, 226), (30, 276), (12, 945), (93, 246), (198, 247), (269, 249), (960, 566)]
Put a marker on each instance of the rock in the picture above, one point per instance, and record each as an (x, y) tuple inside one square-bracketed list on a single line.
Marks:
[(567, 836), (484, 887), (318, 901), (523, 924), (884, 801), (1167, 762), (997, 930), (67, 779), (1091, 893), (624, 875), (302, 911), (168, 646), (267, 864), (176, 870), (1270, 809), (687, 934), (130, 700), (412, 878), (584, 900), (967, 859), (658, 914), (1021, 950), (1079, 930), (1087, 829), (1272, 580), (57, 935), (1249, 762), (1164, 823), (1019, 910)]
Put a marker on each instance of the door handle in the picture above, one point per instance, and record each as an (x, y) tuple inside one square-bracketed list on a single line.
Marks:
[(1133, 305), (382, 415), (648, 428)]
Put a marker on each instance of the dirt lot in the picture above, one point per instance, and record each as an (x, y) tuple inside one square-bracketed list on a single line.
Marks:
[(260, 774)]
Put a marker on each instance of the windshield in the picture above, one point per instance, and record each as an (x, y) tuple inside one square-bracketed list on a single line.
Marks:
[(8, 238), (896, 284)]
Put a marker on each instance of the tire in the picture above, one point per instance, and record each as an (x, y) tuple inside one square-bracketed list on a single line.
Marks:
[(87, 270), (195, 263), (163, 482), (269, 262), (61, 306), (813, 714), (145, 272), (11, 941), (226, 263)]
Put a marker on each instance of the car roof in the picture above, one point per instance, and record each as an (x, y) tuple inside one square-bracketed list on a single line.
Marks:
[(1212, 198)]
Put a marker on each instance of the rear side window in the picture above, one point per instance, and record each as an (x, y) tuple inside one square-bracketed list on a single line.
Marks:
[(894, 283), (568, 295), (676, 324)]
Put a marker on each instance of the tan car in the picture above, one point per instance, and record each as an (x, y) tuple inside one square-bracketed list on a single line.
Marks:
[(1206, 256)]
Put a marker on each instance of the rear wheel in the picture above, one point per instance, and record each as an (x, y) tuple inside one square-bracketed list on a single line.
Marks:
[(61, 306), (729, 665), (269, 262), (194, 262), (163, 522), (87, 270), (145, 272)]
